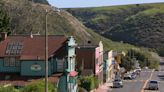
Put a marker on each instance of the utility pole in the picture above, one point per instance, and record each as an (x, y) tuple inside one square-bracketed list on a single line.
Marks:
[(46, 48), (46, 53)]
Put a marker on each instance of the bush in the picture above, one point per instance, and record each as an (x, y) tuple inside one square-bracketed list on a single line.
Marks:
[(82, 90), (39, 87), (7, 89), (88, 82)]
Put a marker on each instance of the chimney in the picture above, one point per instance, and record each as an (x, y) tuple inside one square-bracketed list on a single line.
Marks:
[(3, 36)]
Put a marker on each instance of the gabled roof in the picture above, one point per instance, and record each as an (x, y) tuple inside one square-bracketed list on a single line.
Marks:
[(32, 47)]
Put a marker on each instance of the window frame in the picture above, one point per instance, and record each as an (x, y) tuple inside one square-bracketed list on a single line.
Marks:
[(11, 62)]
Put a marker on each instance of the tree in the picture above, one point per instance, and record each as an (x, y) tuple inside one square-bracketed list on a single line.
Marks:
[(4, 21), (127, 63)]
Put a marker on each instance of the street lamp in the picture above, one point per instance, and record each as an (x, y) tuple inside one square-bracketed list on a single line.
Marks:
[(46, 47)]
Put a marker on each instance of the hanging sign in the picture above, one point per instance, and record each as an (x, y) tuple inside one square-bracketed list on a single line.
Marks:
[(36, 67)]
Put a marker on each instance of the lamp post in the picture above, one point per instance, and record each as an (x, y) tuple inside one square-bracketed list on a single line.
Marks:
[(46, 48)]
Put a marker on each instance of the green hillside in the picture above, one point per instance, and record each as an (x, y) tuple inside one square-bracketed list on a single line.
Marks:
[(27, 17), (140, 24)]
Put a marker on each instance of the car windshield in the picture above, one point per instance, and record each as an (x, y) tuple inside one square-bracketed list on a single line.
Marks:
[(153, 82), (117, 80)]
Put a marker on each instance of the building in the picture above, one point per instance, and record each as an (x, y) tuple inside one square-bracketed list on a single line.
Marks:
[(25, 56), (89, 58), (108, 66)]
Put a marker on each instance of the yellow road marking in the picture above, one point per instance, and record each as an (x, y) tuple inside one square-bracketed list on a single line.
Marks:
[(144, 86)]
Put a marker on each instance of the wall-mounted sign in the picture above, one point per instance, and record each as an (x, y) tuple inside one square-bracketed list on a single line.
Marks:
[(36, 67)]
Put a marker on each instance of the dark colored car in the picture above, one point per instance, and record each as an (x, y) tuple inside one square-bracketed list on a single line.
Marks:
[(133, 76), (117, 83), (153, 85)]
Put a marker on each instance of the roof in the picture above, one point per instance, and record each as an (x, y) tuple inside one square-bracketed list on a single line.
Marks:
[(32, 47)]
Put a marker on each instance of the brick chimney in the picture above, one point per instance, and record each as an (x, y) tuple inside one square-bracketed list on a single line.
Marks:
[(3, 36)]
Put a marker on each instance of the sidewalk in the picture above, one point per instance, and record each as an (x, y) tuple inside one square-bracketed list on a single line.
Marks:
[(105, 87)]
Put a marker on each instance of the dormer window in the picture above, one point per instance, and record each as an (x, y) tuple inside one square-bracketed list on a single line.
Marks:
[(14, 48)]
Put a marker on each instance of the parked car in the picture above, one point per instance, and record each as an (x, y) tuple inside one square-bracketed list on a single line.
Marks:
[(146, 67), (153, 85), (138, 69), (133, 75), (117, 83), (160, 75), (127, 77)]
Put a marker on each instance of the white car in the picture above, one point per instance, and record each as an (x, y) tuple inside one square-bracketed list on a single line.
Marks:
[(146, 67), (127, 76), (138, 69), (153, 85)]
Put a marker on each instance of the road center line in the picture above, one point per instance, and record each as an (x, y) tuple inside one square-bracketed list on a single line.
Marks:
[(145, 83)]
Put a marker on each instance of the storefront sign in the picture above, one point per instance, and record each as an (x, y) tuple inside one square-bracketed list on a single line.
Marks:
[(36, 67)]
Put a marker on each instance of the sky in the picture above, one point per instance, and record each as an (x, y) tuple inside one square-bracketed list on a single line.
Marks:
[(95, 3)]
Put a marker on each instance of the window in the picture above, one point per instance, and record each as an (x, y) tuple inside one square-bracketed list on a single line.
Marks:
[(6, 62), (17, 63), (11, 62)]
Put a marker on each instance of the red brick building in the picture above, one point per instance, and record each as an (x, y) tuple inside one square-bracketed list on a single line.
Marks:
[(89, 58)]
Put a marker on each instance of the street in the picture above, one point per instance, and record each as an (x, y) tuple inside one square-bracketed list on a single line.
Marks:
[(140, 84)]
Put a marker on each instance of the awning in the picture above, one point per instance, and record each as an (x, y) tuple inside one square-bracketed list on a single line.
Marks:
[(73, 73)]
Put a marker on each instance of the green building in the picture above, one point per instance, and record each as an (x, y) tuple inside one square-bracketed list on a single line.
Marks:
[(25, 56)]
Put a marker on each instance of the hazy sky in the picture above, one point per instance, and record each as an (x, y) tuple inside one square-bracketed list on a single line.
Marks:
[(93, 3)]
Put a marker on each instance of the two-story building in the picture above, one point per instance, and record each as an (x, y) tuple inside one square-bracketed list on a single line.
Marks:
[(89, 58), (108, 66)]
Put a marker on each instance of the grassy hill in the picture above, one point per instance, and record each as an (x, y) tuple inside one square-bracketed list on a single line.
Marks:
[(140, 24), (27, 17)]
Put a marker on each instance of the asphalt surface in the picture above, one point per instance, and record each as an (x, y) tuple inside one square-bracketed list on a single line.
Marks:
[(159, 76), (140, 84), (134, 85)]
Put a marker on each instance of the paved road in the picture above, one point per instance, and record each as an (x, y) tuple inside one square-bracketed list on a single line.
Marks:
[(141, 83), (160, 79), (134, 85)]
